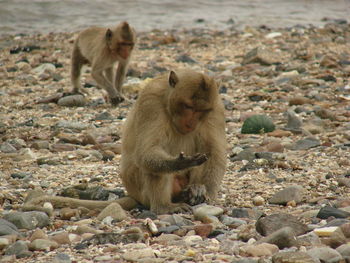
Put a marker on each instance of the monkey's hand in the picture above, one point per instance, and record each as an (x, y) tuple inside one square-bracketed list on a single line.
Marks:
[(194, 194), (183, 162), (115, 101)]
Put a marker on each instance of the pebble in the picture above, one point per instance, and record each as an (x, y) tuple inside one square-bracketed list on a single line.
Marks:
[(258, 200), (61, 258), (67, 213), (135, 255), (61, 238), (328, 211), (7, 148), (7, 228), (203, 211), (28, 220), (18, 248), (38, 234), (113, 210), (325, 254), (344, 250), (260, 250), (192, 240), (72, 101), (283, 238), (44, 68), (305, 144), (42, 245), (292, 257), (291, 193)]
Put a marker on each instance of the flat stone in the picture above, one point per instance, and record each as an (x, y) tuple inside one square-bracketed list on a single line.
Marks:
[(269, 224), (344, 250), (61, 238), (325, 254), (17, 248), (38, 145), (61, 258), (260, 250), (306, 144), (292, 257), (258, 55), (135, 255), (325, 231), (176, 220), (38, 234), (168, 229), (309, 239), (72, 125), (283, 238), (294, 192), (42, 245), (28, 220), (7, 148), (203, 230), (328, 211)]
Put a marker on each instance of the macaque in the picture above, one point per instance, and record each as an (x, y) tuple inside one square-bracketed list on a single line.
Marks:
[(173, 143), (102, 48)]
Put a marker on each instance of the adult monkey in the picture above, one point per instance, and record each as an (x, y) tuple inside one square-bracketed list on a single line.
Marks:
[(103, 48), (173, 143)]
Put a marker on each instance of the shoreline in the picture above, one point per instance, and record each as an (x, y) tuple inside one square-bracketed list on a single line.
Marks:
[(300, 77)]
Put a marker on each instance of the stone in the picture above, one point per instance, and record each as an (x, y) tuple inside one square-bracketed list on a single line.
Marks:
[(231, 221), (328, 211), (192, 240), (337, 222), (67, 213), (240, 213), (165, 239), (168, 229), (82, 229), (306, 144), (72, 101), (269, 224), (73, 125), (7, 148), (325, 254), (246, 154), (38, 234), (44, 68), (283, 238), (17, 248), (176, 220), (7, 228), (260, 250), (113, 210), (309, 239), (203, 230), (42, 245), (344, 250), (61, 238), (61, 258), (346, 230), (135, 255), (62, 147), (258, 200), (325, 231), (258, 55), (4, 242), (294, 192), (292, 257), (28, 220), (147, 214), (206, 210), (294, 123), (40, 144)]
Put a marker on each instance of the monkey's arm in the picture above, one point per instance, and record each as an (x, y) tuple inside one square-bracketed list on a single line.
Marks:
[(120, 75)]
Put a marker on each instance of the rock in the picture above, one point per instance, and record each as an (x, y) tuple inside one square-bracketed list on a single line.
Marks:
[(325, 231), (260, 250), (240, 213), (284, 237), (344, 250), (206, 210), (269, 224), (306, 144), (258, 200), (44, 68), (346, 230), (113, 210), (38, 145), (203, 230), (258, 55), (309, 239), (67, 213), (4, 242), (147, 214), (231, 221), (344, 182), (185, 59), (328, 211), (7, 228), (246, 154), (62, 147), (298, 100), (72, 101), (325, 254), (42, 245), (17, 248), (28, 220), (292, 257), (294, 123), (294, 192), (7, 148), (165, 239), (61, 238), (104, 116), (38, 234), (136, 255), (168, 229), (61, 258), (82, 229), (73, 125), (337, 222), (192, 240)]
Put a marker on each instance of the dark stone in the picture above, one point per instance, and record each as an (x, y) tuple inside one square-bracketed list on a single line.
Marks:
[(292, 257), (283, 238), (269, 224), (240, 213), (104, 116), (17, 248), (328, 211), (294, 192), (246, 154), (7, 228), (337, 222), (147, 214), (19, 175), (185, 59), (28, 48), (28, 220)]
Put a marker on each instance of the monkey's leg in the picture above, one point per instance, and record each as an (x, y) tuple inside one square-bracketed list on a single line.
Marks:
[(105, 84), (120, 75), (77, 64), (159, 192), (110, 75)]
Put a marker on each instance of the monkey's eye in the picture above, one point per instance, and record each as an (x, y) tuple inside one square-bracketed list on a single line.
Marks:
[(188, 107)]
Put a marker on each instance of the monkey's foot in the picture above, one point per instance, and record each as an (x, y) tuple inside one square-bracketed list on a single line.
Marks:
[(172, 208), (194, 194), (117, 100)]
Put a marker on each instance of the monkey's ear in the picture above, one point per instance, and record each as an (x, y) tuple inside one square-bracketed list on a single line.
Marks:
[(109, 34), (173, 79)]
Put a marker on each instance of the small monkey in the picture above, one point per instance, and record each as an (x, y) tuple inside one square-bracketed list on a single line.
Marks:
[(102, 48), (173, 143)]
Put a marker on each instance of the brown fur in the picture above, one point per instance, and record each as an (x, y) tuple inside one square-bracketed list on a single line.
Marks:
[(152, 166), (102, 48)]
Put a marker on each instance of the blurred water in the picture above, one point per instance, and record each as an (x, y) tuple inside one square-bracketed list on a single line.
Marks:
[(32, 16)]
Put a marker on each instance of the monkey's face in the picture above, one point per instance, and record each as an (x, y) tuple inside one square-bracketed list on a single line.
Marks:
[(124, 49), (191, 101)]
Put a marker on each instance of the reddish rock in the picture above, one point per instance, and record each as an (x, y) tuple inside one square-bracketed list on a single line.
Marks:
[(203, 230)]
